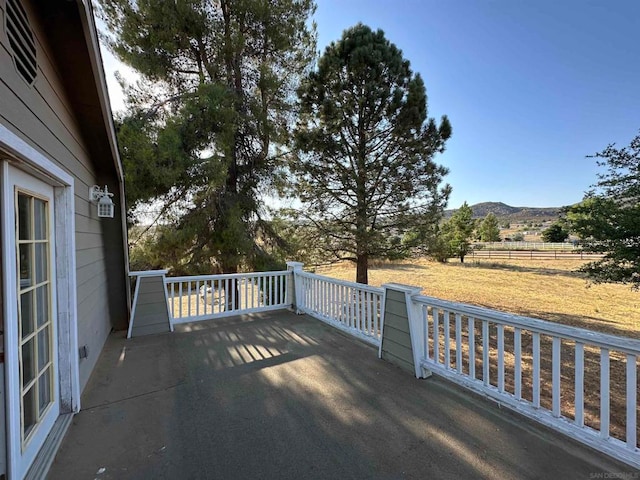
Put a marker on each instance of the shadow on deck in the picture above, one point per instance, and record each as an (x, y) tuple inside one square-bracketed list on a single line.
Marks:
[(280, 396)]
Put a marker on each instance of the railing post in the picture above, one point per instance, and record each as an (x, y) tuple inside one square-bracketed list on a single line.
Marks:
[(150, 311), (402, 329), (295, 294), (418, 329)]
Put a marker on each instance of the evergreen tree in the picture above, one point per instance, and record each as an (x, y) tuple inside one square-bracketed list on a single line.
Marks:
[(367, 149), (438, 245), (458, 232), (489, 231), (555, 233), (608, 219), (205, 125)]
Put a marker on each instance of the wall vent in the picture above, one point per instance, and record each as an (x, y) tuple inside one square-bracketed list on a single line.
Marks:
[(23, 47)]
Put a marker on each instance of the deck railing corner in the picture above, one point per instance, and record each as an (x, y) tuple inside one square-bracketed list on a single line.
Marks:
[(294, 294)]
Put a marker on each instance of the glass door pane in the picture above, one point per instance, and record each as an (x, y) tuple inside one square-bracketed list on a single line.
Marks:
[(33, 244)]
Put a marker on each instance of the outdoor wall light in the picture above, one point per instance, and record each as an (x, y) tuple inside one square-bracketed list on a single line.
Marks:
[(106, 208)]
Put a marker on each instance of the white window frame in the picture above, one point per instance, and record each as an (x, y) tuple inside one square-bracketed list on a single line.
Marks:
[(27, 158)]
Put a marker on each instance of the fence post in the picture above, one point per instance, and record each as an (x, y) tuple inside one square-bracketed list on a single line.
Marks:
[(294, 296)]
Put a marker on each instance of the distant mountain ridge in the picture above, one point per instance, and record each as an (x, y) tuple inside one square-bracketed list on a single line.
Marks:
[(507, 212)]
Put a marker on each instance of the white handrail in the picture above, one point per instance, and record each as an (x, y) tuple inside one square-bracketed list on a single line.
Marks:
[(193, 278), (359, 286)]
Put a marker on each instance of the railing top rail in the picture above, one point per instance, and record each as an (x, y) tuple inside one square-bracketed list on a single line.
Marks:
[(223, 276), (614, 342), (360, 286), (148, 273)]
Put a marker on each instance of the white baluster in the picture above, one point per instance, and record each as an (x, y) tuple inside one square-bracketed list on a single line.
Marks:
[(253, 289), (447, 334), (189, 313), (458, 343), (500, 329), (436, 334), (579, 384), (369, 297), (272, 298), (173, 299), (233, 294), (604, 393), (314, 294), (517, 367), (555, 376), (632, 400), (425, 322), (472, 347), (359, 309), (485, 354), (197, 299), (536, 369), (246, 292), (327, 304)]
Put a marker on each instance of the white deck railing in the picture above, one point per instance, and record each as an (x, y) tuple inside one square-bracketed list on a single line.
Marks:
[(568, 378), (352, 307), (206, 297), (579, 382)]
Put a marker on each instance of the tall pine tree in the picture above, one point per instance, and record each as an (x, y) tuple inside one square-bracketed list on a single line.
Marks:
[(205, 125), (457, 232), (489, 231), (366, 150)]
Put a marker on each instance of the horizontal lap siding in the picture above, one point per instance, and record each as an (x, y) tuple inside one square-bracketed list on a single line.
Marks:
[(396, 341), (151, 315), (41, 115)]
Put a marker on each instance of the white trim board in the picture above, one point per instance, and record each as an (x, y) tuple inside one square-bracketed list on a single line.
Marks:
[(23, 156), (21, 150)]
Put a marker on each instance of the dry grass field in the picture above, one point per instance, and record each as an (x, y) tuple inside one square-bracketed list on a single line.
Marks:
[(545, 289)]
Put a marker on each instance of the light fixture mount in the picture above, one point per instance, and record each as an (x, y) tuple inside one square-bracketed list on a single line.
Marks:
[(102, 198)]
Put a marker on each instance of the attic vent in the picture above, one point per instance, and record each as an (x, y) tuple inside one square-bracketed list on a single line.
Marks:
[(21, 41)]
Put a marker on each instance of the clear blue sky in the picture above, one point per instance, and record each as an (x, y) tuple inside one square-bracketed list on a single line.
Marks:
[(531, 87)]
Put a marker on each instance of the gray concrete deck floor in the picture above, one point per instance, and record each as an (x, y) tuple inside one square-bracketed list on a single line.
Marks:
[(281, 396)]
